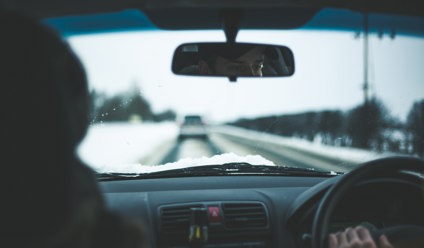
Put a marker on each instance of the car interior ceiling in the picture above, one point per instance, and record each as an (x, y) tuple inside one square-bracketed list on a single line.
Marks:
[(51, 8)]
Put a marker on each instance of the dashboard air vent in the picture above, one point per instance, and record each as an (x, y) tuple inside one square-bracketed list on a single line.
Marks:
[(244, 215), (176, 219)]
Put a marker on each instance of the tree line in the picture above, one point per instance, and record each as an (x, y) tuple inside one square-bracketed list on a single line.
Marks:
[(368, 126), (127, 106)]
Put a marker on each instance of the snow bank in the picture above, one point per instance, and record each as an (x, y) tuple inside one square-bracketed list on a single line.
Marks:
[(185, 163)]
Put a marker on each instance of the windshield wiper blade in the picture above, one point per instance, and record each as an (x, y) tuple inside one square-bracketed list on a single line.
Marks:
[(116, 176), (222, 169), (277, 170)]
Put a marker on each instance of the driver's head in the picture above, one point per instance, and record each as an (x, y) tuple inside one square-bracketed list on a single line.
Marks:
[(231, 60)]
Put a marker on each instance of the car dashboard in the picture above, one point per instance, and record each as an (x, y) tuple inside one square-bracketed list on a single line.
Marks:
[(257, 211)]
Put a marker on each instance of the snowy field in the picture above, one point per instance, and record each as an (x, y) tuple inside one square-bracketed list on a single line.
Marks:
[(120, 147)]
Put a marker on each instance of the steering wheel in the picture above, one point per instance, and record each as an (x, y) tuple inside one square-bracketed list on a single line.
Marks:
[(372, 169)]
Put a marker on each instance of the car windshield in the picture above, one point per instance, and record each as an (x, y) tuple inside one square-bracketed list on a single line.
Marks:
[(352, 98)]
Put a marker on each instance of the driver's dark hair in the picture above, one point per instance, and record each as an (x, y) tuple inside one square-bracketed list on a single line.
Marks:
[(228, 51), (208, 52), (211, 62)]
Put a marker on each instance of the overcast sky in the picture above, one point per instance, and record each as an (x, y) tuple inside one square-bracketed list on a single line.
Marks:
[(329, 73)]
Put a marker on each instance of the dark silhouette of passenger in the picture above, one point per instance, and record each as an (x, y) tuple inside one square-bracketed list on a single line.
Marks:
[(49, 198)]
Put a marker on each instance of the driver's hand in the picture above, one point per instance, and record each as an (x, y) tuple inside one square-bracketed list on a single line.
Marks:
[(358, 237)]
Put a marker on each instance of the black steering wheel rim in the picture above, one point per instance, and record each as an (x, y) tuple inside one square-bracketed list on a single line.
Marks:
[(320, 225)]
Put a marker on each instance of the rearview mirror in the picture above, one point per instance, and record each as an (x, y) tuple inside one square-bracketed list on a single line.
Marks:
[(233, 60)]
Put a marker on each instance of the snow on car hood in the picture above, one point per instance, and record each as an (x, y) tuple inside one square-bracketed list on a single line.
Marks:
[(185, 163)]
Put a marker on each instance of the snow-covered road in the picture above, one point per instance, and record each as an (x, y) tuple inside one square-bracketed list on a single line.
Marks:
[(140, 147)]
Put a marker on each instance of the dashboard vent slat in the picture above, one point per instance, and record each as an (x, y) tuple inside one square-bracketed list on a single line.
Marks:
[(244, 215), (176, 219)]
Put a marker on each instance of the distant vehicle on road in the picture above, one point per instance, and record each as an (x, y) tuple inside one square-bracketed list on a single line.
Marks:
[(193, 127)]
